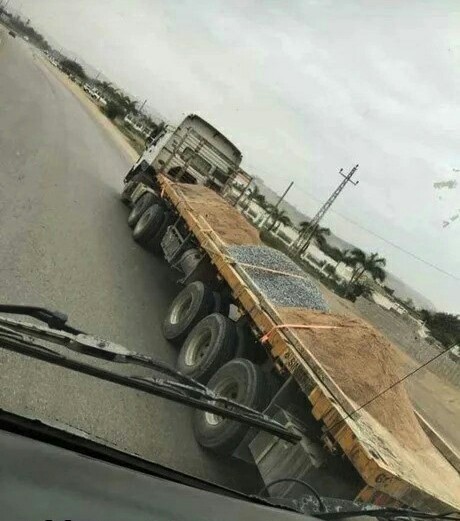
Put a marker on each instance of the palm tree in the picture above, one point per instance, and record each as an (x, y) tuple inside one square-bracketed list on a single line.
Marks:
[(128, 104), (253, 195), (319, 235), (278, 215), (304, 226), (342, 256), (284, 220), (261, 200), (365, 264)]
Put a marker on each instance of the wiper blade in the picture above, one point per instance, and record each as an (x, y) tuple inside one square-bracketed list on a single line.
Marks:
[(54, 319), (24, 338)]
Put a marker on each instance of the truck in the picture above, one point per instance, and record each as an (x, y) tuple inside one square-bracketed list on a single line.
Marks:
[(253, 327)]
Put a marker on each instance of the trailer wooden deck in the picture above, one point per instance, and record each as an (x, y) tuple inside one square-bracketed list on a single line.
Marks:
[(340, 369)]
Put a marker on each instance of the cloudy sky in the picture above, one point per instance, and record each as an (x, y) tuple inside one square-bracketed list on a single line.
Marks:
[(305, 88)]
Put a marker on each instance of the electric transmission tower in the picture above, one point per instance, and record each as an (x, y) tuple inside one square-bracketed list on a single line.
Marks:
[(302, 246)]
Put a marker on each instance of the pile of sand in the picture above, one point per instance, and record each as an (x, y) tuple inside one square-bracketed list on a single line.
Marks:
[(225, 220), (362, 363)]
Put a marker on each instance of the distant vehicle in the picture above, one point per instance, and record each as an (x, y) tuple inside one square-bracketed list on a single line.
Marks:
[(26, 38), (12, 33), (94, 93)]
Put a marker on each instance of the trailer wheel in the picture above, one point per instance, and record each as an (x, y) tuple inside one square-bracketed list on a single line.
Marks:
[(139, 208), (209, 345), (154, 243), (148, 224), (193, 303), (241, 381)]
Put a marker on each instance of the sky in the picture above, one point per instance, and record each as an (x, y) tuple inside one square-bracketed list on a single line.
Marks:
[(304, 88)]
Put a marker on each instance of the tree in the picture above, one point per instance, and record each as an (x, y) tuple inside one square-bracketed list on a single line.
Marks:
[(112, 110), (24, 28), (364, 264), (304, 226), (445, 327), (128, 104), (389, 290), (252, 195), (319, 235), (73, 67), (409, 303), (284, 220), (343, 256), (278, 215), (125, 104)]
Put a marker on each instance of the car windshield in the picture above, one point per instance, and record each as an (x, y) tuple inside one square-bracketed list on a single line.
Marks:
[(264, 197)]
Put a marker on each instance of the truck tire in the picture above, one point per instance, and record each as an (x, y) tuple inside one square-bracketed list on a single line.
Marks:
[(192, 304), (139, 208), (149, 224), (154, 243), (208, 346), (243, 382), (128, 189)]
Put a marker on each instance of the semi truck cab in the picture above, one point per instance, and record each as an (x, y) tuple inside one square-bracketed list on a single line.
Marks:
[(195, 152)]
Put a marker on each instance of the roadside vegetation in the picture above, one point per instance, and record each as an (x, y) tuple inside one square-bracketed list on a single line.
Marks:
[(445, 327), (23, 28), (72, 67), (117, 105)]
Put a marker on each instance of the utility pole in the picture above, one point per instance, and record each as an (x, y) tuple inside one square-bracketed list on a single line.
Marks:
[(323, 210), (277, 204), (142, 105)]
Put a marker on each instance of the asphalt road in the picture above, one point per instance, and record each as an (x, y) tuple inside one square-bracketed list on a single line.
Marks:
[(65, 245)]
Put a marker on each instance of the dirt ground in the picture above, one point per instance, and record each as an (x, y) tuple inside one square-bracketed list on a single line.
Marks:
[(436, 400)]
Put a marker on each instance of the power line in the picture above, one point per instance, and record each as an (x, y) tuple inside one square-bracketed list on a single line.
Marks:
[(375, 234), (394, 245)]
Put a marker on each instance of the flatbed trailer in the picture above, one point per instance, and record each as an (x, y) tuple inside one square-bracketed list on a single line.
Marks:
[(397, 463), (332, 379)]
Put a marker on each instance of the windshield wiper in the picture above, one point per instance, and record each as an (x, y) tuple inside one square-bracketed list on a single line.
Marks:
[(26, 339), (387, 513)]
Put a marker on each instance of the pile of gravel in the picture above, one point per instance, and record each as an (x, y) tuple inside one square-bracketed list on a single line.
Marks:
[(282, 290)]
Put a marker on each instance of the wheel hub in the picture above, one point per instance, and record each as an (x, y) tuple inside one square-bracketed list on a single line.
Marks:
[(227, 388), (181, 308), (197, 348)]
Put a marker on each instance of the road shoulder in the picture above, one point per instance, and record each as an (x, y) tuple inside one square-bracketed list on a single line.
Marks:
[(91, 108)]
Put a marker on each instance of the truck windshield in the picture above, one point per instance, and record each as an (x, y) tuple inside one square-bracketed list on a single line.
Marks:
[(262, 196)]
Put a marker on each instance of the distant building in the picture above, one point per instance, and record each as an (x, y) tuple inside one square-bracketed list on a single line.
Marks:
[(139, 124)]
